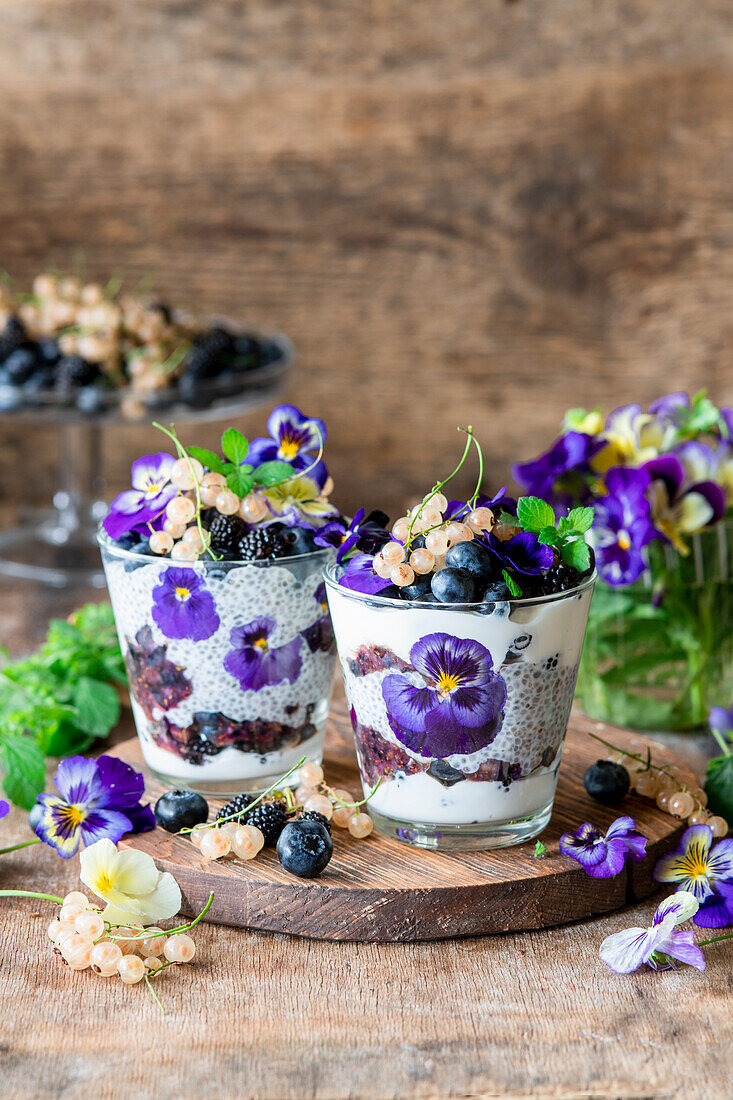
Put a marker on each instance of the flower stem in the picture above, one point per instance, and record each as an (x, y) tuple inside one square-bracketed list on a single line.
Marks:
[(715, 939), (237, 816), (167, 931), (15, 847), (30, 894)]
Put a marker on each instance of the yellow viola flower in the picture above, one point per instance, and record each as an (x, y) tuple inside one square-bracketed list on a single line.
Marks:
[(135, 891)]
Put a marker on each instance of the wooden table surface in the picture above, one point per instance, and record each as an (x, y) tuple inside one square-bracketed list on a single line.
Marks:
[(279, 1018)]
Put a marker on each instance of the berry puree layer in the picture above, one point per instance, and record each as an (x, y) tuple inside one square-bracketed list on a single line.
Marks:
[(459, 716)]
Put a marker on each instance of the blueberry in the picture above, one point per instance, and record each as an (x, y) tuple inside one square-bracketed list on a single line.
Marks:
[(48, 350), (415, 591), (129, 540), (176, 810), (142, 547), (304, 848), (35, 816), (391, 592), (453, 586), (607, 782), (472, 558), (20, 364), (11, 397), (496, 593), (91, 400), (302, 541)]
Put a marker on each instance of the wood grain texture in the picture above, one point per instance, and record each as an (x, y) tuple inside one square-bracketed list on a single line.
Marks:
[(380, 890), (275, 1017), (459, 212)]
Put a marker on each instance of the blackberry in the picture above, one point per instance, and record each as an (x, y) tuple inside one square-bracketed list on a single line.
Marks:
[(313, 815), (12, 336), (270, 818), (235, 805), (73, 372), (263, 543), (197, 748), (226, 532), (201, 361)]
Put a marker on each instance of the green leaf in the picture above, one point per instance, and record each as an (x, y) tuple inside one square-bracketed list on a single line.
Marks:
[(550, 536), (508, 520), (272, 473), (577, 521), (539, 849), (534, 514), (719, 786), (234, 445), (25, 770), (511, 584), (66, 740), (239, 481), (97, 706), (576, 554), (207, 458)]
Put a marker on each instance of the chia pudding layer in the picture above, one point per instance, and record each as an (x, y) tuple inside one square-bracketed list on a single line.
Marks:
[(230, 664), (459, 714)]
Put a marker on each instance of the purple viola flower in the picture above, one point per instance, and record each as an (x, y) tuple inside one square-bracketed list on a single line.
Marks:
[(294, 438), (97, 798), (603, 855), (500, 502), (368, 535), (668, 406), (359, 576), (256, 664), (332, 534), (720, 721), (522, 553), (459, 706), (182, 607), (4, 808), (679, 508), (705, 870), (622, 526), (726, 415), (659, 945), (319, 635), (570, 454), (139, 506)]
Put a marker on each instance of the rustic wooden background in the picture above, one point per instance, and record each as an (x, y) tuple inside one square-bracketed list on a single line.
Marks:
[(465, 211)]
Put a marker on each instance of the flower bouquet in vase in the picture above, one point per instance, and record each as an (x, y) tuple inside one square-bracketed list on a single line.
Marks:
[(459, 633), (659, 647), (214, 563)]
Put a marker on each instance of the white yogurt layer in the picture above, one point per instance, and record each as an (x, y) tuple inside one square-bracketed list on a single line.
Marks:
[(421, 799)]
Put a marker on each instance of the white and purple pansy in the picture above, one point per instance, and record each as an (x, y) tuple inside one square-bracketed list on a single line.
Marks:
[(459, 706), (705, 870), (255, 663), (622, 526), (679, 508), (298, 503), (603, 855), (659, 946), (182, 607), (136, 508), (293, 438)]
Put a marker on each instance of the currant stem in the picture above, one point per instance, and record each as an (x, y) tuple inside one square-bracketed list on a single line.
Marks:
[(30, 894), (168, 931), (715, 939), (440, 484), (15, 847), (237, 816), (155, 995)]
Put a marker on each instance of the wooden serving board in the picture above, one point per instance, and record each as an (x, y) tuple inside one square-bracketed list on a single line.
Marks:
[(381, 890)]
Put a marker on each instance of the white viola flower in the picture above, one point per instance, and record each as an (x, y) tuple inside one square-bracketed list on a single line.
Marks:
[(135, 891), (659, 945)]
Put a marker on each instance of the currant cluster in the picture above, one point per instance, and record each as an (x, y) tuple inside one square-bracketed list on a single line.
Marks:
[(86, 941), (80, 341)]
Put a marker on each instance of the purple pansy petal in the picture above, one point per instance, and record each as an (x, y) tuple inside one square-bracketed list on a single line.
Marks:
[(254, 664), (681, 906), (151, 472), (604, 856), (713, 502), (4, 808), (406, 704), (669, 404), (626, 951), (142, 818), (100, 823), (59, 826), (523, 553), (287, 424), (720, 861), (256, 631), (121, 785), (182, 607), (726, 415), (77, 780), (359, 576), (331, 534), (668, 469), (721, 720), (622, 826), (572, 451), (682, 946), (716, 911)]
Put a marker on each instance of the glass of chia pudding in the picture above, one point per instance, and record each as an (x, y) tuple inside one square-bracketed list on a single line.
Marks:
[(214, 564), (459, 643)]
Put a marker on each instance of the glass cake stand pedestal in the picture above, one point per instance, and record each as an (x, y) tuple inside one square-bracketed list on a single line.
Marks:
[(57, 546)]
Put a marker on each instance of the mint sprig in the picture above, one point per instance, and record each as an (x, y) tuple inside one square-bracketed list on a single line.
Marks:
[(566, 534), (240, 476)]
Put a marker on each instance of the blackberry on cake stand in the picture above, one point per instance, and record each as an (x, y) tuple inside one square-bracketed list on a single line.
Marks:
[(57, 546)]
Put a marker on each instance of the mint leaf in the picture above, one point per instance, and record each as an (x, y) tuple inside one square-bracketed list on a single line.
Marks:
[(534, 514), (719, 786), (576, 554), (507, 520), (539, 849), (577, 521), (511, 584), (550, 536), (234, 445), (272, 473), (25, 770), (207, 458), (239, 481), (97, 706)]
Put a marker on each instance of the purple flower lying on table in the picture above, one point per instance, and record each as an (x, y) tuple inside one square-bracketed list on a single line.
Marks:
[(622, 526), (255, 663), (459, 707), (182, 607), (151, 490), (659, 945), (294, 438), (522, 553), (97, 798), (705, 871), (603, 856), (359, 576)]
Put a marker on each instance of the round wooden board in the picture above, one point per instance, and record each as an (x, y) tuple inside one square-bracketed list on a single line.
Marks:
[(381, 890)]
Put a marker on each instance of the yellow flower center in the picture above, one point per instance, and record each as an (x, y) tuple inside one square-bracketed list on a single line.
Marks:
[(154, 488), (261, 643), (623, 540), (183, 593), (104, 883), (74, 815), (288, 448), (447, 683)]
